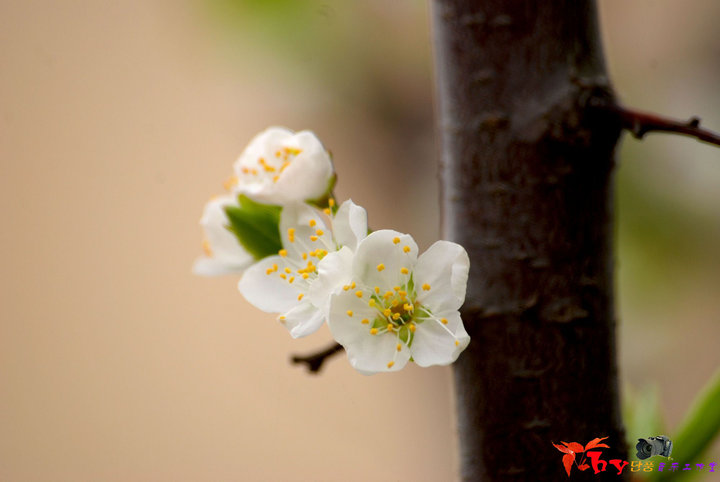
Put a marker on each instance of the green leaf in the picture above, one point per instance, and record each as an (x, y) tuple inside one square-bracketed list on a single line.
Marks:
[(256, 226), (699, 428)]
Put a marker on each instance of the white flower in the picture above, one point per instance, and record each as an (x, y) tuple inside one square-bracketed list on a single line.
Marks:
[(299, 280), (280, 166), (396, 306), (223, 254)]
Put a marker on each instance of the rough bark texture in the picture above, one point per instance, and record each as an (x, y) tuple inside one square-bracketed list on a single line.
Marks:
[(526, 168)]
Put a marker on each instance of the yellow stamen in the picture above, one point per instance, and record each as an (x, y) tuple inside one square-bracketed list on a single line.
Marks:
[(387, 312), (402, 293), (275, 267), (390, 327), (230, 183), (283, 276), (319, 232), (349, 312), (283, 252), (358, 294), (312, 223), (377, 290), (390, 364), (313, 238), (365, 321), (331, 202), (371, 303), (206, 248), (444, 321), (275, 178), (346, 287), (300, 296), (395, 316), (396, 288), (292, 278), (398, 347), (426, 287), (268, 271), (396, 240), (457, 342), (373, 331), (327, 211), (288, 270), (408, 307), (380, 267), (352, 285), (406, 249), (404, 270), (412, 328), (305, 276)]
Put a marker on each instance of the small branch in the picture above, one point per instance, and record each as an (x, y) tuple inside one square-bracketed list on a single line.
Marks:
[(640, 123), (315, 361)]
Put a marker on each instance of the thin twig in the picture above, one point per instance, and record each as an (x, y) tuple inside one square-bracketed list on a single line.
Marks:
[(315, 361), (640, 123)]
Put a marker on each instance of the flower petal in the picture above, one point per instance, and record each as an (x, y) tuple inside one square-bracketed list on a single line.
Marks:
[(381, 256), (367, 353), (434, 343), (269, 292), (303, 320), (444, 269), (334, 271), (308, 176), (305, 222), (350, 224), (225, 254)]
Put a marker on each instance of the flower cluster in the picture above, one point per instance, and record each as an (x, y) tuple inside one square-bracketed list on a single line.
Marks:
[(312, 261)]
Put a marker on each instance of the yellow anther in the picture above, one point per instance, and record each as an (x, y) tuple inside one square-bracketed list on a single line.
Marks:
[(388, 294), (412, 327), (395, 316), (426, 287), (457, 342), (206, 248), (313, 238), (365, 321), (390, 327), (300, 296), (396, 240), (444, 321), (268, 168), (371, 303), (319, 232), (230, 183), (254, 171), (390, 364), (275, 267), (346, 287), (408, 307), (406, 249), (305, 276), (404, 270), (261, 161), (268, 271), (304, 256), (245, 170), (327, 211), (275, 178), (380, 267), (358, 294), (349, 312), (352, 285), (398, 347), (278, 153), (283, 252), (402, 293), (291, 232), (373, 331), (331, 202), (312, 223), (283, 276), (292, 278), (396, 288), (288, 270), (284, 166), (387, 312), (395, 302), (282, 317), (377, 290)]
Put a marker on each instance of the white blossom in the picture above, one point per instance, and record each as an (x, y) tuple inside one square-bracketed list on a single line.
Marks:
[(223, 254), (298, 281), (396, 306), (280, 166)]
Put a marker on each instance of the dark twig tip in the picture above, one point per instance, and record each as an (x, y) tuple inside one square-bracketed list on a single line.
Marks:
[(315, 361)]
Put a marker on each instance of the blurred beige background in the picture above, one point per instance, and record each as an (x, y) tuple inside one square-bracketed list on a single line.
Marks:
[(119, 119)]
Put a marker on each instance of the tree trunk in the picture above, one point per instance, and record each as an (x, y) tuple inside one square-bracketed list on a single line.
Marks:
[(526, 165)]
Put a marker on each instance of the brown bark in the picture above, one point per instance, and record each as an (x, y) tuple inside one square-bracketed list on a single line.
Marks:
[(526, 169)]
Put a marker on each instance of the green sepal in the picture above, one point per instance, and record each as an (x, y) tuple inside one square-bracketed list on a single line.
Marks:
[(256, 226)]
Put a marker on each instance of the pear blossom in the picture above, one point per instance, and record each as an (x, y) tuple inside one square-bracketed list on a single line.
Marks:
[(280, 166), (397, 307), (223, 254), (313, 263)]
